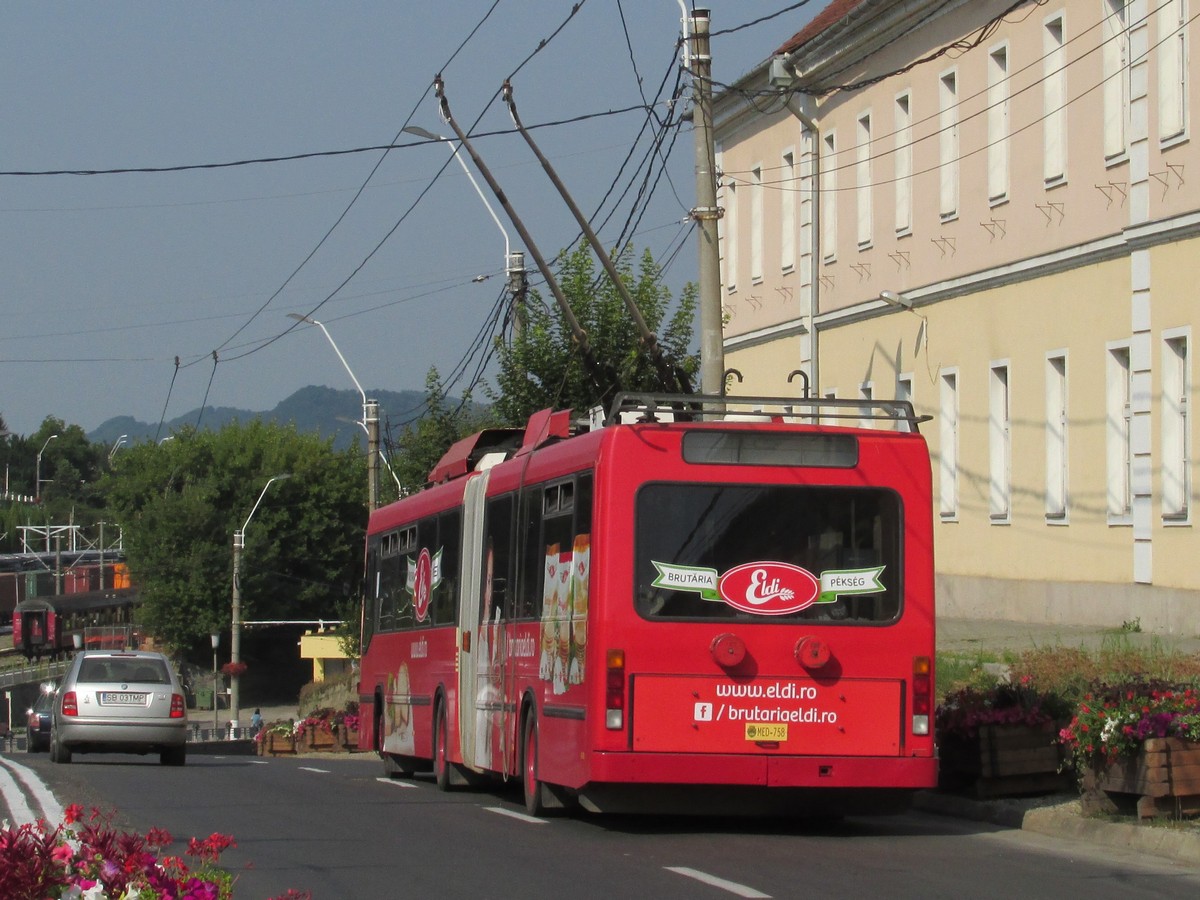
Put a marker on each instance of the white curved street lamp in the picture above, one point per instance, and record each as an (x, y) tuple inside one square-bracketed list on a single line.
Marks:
[(38, 475), (235, 647)]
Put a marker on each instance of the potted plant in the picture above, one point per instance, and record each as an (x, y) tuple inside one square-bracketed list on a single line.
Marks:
[(1000, 739), (1137, 737), (276, 738)]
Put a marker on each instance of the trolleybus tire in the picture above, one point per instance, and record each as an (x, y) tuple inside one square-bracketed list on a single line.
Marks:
[(534, 790), (441, 750)]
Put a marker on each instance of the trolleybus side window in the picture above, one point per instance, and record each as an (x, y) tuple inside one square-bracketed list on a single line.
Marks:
[(768, 553), (556, 524), (444, 545), (498, 543)]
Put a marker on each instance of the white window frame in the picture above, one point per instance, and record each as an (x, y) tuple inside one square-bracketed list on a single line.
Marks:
[(903, 159), (1054, 100), (730, 233), (997, 125), (1176, 426), (1114, 54), (904, 392), (948, 197), (787, 213), (756, 224), (999, 443), (864, 187), (1058, 498), (1172, 53), (948, 445), (1118, 444), (829, 198)]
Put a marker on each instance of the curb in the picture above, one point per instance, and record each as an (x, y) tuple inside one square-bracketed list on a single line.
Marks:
[(1064, 820)]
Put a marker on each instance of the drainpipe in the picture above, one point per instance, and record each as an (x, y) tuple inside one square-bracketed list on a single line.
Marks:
[(809, 123)]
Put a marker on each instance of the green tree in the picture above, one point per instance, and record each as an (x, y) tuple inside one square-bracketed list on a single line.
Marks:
[(542, 367), (426, 440), (180, 502)]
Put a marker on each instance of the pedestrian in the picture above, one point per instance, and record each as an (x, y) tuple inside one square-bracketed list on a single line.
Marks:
[(256, 723)]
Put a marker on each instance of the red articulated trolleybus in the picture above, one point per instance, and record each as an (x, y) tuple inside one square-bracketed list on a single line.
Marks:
[(712, 604)]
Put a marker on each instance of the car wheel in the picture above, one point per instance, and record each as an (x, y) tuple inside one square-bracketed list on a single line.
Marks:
[(59, 753), (173, 756)]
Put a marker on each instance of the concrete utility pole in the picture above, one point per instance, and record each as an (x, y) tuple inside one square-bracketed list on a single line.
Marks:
[(371, 420), (706, 213)]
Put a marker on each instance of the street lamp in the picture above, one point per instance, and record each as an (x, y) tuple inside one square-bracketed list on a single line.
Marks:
[(235, 645), (38, 476), (370, 419), (514, 263), (116, 446), (215, 637)]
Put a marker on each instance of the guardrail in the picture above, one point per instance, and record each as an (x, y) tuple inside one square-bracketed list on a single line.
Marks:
[(35, 674)]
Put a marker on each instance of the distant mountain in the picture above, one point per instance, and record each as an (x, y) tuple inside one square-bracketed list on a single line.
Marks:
[(312, 409)]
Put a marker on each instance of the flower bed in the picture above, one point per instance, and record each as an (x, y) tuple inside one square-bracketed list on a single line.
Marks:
[(1138, 738), (326, 729)]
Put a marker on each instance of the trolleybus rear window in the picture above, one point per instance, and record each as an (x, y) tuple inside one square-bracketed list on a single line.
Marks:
[(768, 553), (750, 448)]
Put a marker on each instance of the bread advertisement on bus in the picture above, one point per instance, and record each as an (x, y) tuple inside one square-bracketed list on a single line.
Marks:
[(768, 588)]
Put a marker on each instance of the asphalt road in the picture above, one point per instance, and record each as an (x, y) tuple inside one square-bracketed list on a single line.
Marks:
[(330, 825)]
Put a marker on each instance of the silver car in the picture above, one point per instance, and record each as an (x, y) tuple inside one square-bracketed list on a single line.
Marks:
[(120, 701)]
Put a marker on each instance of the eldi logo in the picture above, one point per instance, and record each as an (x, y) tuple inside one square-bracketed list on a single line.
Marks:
[(769, 588)]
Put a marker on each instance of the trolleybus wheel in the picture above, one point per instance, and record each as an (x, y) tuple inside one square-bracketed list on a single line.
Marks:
[(534, 802), (441, 764)]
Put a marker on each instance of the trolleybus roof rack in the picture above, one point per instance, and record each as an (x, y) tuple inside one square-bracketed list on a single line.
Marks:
[(632, 406)]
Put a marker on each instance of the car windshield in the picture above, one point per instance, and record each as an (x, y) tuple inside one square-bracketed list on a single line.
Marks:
[(103, 670)]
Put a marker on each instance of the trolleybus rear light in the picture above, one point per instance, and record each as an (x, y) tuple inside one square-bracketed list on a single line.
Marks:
[(614, 690), (922, 693)]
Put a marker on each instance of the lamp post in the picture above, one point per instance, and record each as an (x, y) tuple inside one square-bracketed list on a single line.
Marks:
[(370, 419), (215, 637), (235, 644), (37, 488), (514, 262)]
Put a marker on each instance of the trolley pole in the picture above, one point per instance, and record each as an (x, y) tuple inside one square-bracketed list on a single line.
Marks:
[(371, 420), (706, 213)]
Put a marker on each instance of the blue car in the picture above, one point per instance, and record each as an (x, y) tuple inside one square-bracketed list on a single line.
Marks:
[(38, 721)]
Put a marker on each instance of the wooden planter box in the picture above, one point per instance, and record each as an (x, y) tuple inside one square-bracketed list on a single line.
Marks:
[(347, 740), (1164, 777), (276, 745), (319, 740), (1005, 761)]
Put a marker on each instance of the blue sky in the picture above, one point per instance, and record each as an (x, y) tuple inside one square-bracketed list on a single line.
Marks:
[(105, 279)]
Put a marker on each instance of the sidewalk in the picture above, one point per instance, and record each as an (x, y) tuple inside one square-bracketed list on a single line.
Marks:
[(1059, 815)]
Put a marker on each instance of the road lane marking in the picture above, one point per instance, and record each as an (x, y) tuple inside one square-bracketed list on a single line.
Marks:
[(733, 887), (513, 814), (14, 799), (259, 762), (52, 811), (394, 783), (311, 769)]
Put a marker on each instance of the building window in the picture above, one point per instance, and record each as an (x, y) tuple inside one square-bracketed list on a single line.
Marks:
[(862, 170), (756, 225), (948, 446), (999, 445), (730, 235), (903, 158), (948, 145), (787, 215), (1115, 61), (1054, 102), (1176, 434), (997, 125), (1119, 434), (829, 198), (1172, 69), (1056, 438)]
